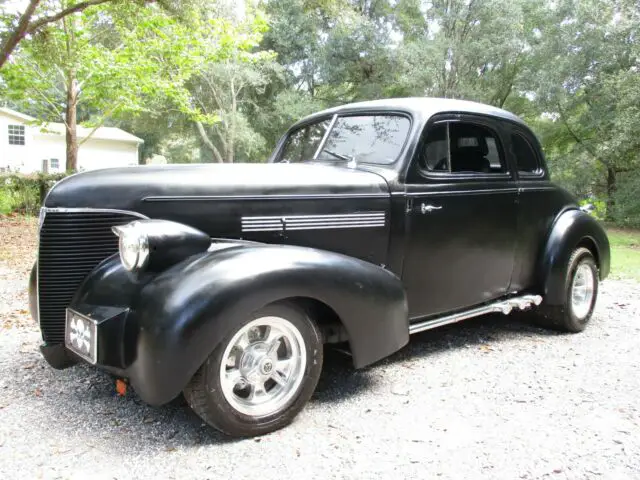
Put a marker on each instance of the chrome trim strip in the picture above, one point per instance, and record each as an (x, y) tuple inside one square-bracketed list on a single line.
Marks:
[(312, 222), (502, 306), (89, 210), (312, 196), (462, 192)]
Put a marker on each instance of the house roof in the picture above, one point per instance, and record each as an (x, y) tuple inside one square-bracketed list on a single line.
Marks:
[(55, 128)]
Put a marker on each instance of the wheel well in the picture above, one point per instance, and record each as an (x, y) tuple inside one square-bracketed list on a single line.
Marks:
[(333, 330), (590, 245)]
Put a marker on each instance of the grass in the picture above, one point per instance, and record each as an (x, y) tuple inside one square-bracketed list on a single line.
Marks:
[(625, 253)]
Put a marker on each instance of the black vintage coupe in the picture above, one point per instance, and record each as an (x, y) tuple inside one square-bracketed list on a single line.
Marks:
[(371, 221)]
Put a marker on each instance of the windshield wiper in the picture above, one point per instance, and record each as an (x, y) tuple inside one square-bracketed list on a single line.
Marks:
[(346, 158)]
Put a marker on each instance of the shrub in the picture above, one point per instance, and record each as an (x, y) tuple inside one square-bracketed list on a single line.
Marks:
[(24, 193)]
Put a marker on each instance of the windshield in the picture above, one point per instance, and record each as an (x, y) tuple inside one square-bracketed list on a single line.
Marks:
[(362, 138)]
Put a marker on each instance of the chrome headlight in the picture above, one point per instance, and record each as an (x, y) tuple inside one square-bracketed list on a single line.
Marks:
[(133, 245)]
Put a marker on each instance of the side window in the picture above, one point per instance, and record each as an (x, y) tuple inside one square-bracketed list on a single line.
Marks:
[(302, 144), (526, 158), (462, 147)]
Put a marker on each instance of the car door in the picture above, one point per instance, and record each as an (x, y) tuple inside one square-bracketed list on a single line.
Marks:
[(461, 207)]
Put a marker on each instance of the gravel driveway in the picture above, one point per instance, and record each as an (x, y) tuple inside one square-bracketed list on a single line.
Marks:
[(489, 398)]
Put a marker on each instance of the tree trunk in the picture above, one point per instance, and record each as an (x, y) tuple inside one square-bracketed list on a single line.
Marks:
[(612, 186), (231, 130), (71, 122), (208, 143)]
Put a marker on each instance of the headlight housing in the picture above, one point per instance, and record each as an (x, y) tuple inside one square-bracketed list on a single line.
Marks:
[(133, 245), (155, 245)]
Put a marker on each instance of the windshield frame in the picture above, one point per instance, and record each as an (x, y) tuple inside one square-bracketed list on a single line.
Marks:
[(276, 157)]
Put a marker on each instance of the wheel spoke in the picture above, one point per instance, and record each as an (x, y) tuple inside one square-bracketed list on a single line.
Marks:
[(279, 378), (274, 334), (257, 392), (233, 376), (283, 365), (273, 348), (243, 342)]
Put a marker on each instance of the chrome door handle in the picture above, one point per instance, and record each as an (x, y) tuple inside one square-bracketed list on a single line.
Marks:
[(424, 208)]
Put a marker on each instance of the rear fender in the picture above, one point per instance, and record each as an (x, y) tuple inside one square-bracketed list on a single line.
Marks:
[(571, 229)]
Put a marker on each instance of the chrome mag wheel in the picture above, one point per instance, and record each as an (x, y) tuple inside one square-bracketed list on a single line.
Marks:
[(263, 366), (582, 290)]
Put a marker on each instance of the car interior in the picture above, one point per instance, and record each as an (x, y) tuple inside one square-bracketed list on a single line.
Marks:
[(473, 149)]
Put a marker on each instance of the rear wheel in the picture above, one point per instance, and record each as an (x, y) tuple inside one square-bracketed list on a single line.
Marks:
[(580, 292), (261, 375)]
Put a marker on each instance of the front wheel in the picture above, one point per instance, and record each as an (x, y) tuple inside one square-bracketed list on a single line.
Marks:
[(261, 375), (580, 292)]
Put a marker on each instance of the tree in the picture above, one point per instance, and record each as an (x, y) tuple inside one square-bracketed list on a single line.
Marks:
[(591, 87), (35, 17), (463, 49), (105, 64)]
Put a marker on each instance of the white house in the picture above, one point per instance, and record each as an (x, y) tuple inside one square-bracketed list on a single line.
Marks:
[(27, 147)]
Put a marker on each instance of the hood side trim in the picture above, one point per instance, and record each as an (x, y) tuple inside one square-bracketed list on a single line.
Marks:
[(312, 196), (89, 210)]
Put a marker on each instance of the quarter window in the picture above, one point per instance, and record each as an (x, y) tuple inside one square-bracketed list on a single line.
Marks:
[(526, 157), (16, 134), (461, 147), (302, 144)]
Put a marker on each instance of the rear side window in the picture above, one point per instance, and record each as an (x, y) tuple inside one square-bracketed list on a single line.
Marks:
[(526, 158), (461, 147)]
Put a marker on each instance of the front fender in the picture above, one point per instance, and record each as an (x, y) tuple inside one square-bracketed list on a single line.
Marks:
[(176, 318), (570, 229)]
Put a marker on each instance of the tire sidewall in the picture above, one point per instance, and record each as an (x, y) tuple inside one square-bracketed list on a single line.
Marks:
[(231, 421), (579, 257)]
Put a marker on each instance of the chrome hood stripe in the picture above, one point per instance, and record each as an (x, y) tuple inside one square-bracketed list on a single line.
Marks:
[(313, 222)]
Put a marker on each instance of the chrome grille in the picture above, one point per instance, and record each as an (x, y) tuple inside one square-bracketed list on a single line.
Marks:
[(72, 243)]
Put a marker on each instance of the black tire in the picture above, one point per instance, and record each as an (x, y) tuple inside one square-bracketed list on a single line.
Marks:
[(562, 317), (205, 396)]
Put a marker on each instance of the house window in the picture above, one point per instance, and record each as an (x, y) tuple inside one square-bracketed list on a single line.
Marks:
[(16, 134), (55, 164)]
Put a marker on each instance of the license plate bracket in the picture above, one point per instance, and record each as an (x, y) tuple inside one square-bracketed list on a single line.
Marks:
[(81, 336)]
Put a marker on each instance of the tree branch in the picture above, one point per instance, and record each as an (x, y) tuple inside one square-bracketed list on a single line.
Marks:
[(18, 34), (578, 140), (78, 7)]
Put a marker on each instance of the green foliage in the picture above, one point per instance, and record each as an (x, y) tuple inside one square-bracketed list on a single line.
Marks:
[(625, 253), (200, 80), (25, 193)]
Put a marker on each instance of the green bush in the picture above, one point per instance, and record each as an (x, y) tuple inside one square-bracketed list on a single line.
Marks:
[(627, 201), (24, 194)]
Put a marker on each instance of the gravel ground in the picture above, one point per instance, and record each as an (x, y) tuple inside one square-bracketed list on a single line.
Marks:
[(490, 398)]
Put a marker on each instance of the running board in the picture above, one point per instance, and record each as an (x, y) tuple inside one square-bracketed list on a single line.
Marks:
[(503, 306)]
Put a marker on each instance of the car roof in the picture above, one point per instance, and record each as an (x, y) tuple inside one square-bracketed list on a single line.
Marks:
[(420, 107)]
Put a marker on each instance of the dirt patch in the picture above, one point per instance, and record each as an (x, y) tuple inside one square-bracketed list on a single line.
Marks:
[(18, 242)]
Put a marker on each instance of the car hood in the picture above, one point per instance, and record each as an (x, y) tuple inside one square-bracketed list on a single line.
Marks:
[(131, 188)]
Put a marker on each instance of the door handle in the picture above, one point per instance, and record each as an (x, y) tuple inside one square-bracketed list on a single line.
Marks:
[(424, 208)]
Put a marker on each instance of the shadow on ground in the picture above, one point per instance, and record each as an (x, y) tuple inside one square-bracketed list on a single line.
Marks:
[(128, 420)]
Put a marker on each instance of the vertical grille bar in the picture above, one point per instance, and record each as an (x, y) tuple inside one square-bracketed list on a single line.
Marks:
[(71, 245)]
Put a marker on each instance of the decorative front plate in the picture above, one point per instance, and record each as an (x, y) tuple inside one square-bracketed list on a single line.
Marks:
[(81, 336)]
